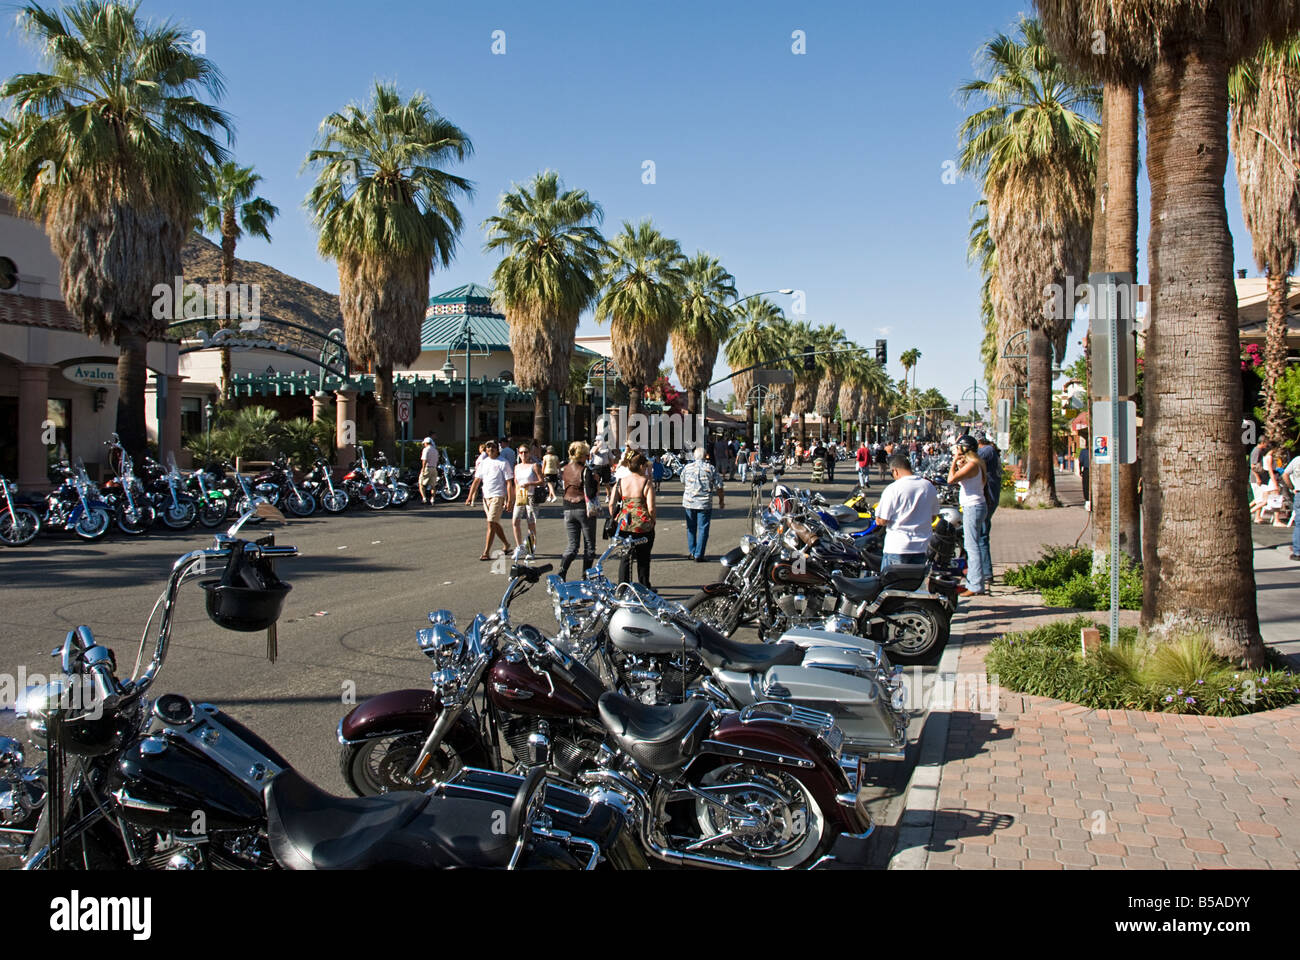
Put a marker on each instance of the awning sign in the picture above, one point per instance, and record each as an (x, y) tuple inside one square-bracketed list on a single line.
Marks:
[(92, 374)]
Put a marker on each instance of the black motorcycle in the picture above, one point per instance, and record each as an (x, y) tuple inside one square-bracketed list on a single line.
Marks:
[(131, 782)]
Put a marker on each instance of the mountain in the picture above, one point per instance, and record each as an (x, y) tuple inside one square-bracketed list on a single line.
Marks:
[(282, 297)]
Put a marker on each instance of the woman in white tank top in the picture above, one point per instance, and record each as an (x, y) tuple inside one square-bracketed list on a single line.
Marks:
[(967, 471)]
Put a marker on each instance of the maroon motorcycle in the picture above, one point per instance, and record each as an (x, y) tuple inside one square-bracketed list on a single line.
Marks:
[(760, 788)]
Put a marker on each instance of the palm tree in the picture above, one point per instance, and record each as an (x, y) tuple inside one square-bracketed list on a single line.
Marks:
[(1181, 52), (386, 212), (1114, 250), (801, 336), (909, 359), (703, 325), (1034, 147), (1265, 136), (119, 128), (230, 210), (831, 367), (548, 275), (643, 281), (758, 336)]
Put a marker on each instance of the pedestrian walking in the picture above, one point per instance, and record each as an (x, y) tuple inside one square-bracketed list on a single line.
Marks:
[(700, 481), (992, 459), (428, 482), (722, 458), (581, 505), (907, 509), (1291, 480), (967, 470), (551, 471), (528, 477), (601, 458), (864, 465), (1084, 456), (632, 506), (496, 479)]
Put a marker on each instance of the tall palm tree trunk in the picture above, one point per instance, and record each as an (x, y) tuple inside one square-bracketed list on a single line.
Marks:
[(132, 375), (1115, 251), (1042, 474), (228, 231), (633, 400), (1278, 420), (1198, 573), (542, 416), (385, 415)]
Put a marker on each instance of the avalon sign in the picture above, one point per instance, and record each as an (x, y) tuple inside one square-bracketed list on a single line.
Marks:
[(92, 374)]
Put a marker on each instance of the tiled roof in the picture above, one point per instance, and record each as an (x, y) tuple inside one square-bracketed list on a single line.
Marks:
[(37, 312)]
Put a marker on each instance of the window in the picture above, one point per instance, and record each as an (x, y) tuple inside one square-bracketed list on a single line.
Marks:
[(191, 416), (58, 414)]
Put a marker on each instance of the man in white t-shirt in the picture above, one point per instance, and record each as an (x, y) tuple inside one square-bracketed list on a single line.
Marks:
[(428, 482), (1291, 479), (907, 508), (497, 478)]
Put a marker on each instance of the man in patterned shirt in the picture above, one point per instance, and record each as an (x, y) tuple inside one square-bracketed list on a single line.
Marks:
[(700, 480)]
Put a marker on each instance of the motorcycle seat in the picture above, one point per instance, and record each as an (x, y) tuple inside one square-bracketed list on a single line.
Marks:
[(310, 829), (860, 590), (906, 576), (652, 736), (723, 653)]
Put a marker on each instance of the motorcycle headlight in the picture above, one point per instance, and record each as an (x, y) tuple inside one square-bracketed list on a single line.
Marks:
[(442, 643), (747, 544)]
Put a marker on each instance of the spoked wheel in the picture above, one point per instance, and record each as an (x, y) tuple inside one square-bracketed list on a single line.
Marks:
[(449, 491), (300, 504), (180, 514), (20, 527), (135, 522), (335, 501), (212, 512), (916, 631), (769, 816), (93, 525), (720, 610), (400, 494), (377, 498), (381, 765), (241, 507)]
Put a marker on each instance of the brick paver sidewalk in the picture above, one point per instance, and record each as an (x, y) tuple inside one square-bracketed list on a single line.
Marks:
[(1049, 785)]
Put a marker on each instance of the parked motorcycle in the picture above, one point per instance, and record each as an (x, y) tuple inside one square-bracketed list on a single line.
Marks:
[(170, 784), (399, 491), (75, 504), (208, 487), (319, 484), (19, 524), (758, 788), (167, 492), (449, 479), (278, 487), (363, 487), (132, 509)]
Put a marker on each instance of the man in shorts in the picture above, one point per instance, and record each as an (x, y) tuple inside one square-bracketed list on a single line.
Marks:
[(497, 479), (428, 482)]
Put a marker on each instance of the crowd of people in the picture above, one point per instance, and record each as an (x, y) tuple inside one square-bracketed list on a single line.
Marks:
[(1274, 479)]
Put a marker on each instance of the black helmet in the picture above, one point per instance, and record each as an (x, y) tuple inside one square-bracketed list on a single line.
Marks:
[(967, 442), (248, 597)]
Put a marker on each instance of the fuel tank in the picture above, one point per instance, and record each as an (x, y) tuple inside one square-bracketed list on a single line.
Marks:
[(635, 631), (572, 691), (783, 572)]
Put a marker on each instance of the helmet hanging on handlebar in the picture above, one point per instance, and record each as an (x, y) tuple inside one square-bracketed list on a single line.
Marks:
[(248, 597)]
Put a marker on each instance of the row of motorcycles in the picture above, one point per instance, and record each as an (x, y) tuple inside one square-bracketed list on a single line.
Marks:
[(135, 500), (629, 733)]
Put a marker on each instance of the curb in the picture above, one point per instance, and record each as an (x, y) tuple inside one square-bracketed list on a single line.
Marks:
[(916, 825)]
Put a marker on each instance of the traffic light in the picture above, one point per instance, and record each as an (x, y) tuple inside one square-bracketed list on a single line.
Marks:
[(809, 360), (881, 352)]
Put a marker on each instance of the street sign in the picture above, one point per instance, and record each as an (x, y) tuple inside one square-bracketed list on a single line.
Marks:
[(1111, 306), (1004, 418), (404, 410), (1105, 447), (768, 378)]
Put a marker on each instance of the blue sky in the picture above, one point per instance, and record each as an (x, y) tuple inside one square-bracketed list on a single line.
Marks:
[(821, 171)]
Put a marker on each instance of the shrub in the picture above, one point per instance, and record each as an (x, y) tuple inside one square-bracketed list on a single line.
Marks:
[(1185, 676), (1063, 575), (1056, 566)]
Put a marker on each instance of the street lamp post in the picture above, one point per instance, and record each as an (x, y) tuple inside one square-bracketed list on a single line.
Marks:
[(466, 337), (209, 409), (606, 367), (755, 397)]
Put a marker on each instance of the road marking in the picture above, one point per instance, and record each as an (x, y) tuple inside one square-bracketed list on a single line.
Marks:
[(342, 548), (373, 542)]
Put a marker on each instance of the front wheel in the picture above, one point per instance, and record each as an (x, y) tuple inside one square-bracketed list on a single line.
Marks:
[(762, 816), (300, 503), (377, 498), (212, 512), (449, 491), (914, 633), (20, 527), (380, 765), (93, 524), (135, 522), (719, 608), (335, 501), (180, 514), (400, 494)]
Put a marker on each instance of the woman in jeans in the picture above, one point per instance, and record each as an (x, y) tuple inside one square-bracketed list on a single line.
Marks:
[(632, 501), (580, 488), (968, 470)]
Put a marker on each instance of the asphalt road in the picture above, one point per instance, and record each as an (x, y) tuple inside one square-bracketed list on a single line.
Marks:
[(364, 583)]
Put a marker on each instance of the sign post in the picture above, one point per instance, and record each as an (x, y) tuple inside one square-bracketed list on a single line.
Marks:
[(403, 398), (1111, 313)]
